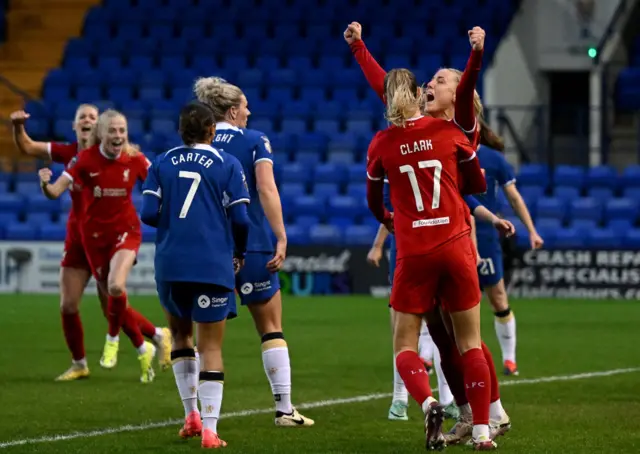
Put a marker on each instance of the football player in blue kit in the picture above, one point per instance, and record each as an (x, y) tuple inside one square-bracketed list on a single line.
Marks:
[(399, 402), (190, 195), (257, 283), (499, 175)]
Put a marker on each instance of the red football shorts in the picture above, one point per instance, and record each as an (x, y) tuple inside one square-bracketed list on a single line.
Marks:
[(73, 255), (448, 274), (100, 254)]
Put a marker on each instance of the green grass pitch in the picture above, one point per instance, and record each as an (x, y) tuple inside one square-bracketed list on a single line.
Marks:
[(341, 359)]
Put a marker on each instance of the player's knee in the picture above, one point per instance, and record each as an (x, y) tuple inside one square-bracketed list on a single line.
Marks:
[(69, 305), (498, 298), (116, 288), (273, 340)]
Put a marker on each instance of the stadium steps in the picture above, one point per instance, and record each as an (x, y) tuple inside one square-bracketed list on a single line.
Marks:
[(37, 32)]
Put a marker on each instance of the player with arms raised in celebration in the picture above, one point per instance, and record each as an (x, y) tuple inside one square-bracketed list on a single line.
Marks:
[(75, 271), (429, 163), (257, 284), (190, 194), (110, 227)]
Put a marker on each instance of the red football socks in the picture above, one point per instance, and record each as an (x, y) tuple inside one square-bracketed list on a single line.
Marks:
[(116, 313), (450, 361), (415, 377), (477, 382), (131, 328), (148, 329), (495, 387), (74, 335)]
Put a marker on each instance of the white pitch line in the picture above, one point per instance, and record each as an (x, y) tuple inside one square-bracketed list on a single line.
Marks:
[(317, 404)]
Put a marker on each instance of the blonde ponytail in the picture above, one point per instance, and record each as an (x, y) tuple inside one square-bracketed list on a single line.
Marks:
[(403, 100)]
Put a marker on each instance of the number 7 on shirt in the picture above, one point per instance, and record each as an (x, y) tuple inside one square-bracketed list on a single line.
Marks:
[(188, 200)]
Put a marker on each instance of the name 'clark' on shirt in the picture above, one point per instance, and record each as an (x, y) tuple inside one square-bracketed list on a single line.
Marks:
[(418, 145), (424, 181)]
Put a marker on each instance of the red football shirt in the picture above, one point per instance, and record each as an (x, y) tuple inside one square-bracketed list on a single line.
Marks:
[(63, 153), (106, 195), (421, 162)]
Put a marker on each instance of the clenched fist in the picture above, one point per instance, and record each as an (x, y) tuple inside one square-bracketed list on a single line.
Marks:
[(45, 175), (19, 117), (476, 38), (353, 32)]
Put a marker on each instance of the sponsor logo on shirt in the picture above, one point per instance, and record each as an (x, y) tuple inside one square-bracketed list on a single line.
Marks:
[(430, 222)]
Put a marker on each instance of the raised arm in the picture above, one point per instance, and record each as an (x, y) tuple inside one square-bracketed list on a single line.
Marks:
[(370, 67), (24, 143), (55, 190), (465, 115)]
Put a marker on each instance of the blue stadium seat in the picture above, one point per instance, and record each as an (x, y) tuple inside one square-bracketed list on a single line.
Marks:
[(345, 206), (534, 175), (602, 177), (331, 173), (632, 193), (569, 238), (631, 176), (631, 239), (309, 205), (549, 223), (325, 234), (621, 209), (38, 218), (307, 221), (581, 224), (325, 190), (569, 176), (11, 203), (357, 190), (602, 194), (603, 239), (566, 193), (297, 235), (340, 157), (530, 193), (20, 232), (586, 208), (355, 235), (620, 226), (551, 207), (36, 202), (52, 232), (340, 222)]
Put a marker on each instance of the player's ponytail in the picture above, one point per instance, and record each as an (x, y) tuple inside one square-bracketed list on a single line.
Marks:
[(489, 137), (197, 124), (403, 97), (218, 94)]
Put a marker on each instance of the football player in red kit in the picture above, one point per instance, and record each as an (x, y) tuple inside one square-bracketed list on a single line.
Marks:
[(110, 227), (74, 267), (449, 95), (429, 163)]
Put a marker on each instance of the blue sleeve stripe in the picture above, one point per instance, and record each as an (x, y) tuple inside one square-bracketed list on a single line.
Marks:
[(510, 182)]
